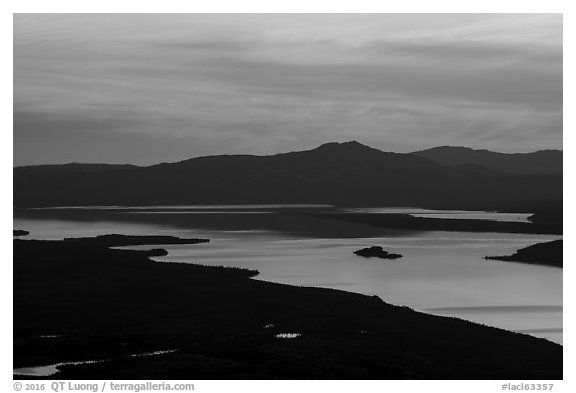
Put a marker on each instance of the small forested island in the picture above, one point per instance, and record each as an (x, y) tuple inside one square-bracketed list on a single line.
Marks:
[(20, 232), (376, 251), (200, 322), (549, 254)]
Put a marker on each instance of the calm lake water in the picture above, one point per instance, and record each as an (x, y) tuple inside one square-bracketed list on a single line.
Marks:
[(441, 273)]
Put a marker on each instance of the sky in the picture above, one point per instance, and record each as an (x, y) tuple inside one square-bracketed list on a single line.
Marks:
[(149, 88)]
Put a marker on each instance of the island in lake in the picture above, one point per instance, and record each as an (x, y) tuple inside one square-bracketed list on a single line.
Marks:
[(377, 252)]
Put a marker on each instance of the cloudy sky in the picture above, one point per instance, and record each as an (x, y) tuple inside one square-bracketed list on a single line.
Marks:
[(159, 87)]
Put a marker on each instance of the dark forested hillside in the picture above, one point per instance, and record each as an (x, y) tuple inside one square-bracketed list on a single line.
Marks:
[(335, 173)]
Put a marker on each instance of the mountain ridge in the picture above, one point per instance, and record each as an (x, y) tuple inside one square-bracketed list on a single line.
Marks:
[(348, 173), (540, 161), (324, 146)]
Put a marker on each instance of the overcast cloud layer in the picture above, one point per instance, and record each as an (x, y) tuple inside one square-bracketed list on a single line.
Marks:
[(158, 87)]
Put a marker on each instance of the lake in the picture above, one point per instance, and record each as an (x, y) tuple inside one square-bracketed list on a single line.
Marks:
[(442, 273)]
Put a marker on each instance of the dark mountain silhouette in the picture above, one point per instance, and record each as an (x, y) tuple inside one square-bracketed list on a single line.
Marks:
[(335, 173), (542, 161)]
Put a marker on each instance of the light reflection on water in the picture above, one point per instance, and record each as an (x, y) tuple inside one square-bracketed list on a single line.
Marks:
[(46, 371), (446, 214), (442, 273)]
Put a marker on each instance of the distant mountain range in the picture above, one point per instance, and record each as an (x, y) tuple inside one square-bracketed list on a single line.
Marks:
[(542, 161), (343, 174)]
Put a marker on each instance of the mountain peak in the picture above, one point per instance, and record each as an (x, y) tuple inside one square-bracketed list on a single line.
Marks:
[(344, 146), (449, 148)]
